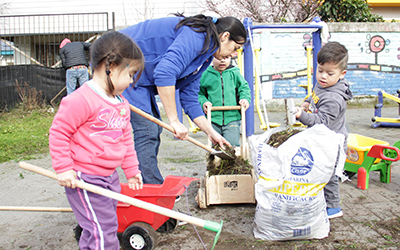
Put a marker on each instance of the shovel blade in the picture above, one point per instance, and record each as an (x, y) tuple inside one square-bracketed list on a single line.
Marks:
[(222, 155)]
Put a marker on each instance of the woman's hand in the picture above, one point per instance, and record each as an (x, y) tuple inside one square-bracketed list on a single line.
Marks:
[(181, 132), (135, 182), (67, 179), (213, 135), (244, 103), (216, 138)]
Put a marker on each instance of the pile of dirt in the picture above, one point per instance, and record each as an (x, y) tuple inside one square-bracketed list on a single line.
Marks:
[(278, 138), (237, 165)]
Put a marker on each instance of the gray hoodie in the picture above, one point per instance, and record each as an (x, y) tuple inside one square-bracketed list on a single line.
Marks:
[(328, 106)]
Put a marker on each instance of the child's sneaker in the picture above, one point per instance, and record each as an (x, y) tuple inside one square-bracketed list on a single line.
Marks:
[(334, 212)]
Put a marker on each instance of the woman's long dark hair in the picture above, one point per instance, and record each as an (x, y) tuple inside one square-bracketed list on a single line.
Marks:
[(204, 24)]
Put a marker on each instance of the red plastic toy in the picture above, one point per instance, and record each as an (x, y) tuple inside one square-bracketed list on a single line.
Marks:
[(137, 226)]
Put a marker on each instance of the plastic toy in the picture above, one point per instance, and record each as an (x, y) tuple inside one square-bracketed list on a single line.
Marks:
[(138, 218), (365, 154), (385, 122)]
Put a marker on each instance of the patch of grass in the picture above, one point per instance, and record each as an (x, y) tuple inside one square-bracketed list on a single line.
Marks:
[(181, 160), (24, 134)]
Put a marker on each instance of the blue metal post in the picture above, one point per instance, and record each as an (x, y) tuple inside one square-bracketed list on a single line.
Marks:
[(248, 75), (316, 37)]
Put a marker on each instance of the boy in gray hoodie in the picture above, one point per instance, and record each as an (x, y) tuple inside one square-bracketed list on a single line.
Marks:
[(328, 106)]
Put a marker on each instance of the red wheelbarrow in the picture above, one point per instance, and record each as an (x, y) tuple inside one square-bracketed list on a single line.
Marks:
[(365, 154), (141, 212), (137, 225)]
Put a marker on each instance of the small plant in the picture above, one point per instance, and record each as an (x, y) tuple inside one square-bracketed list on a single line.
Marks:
[(30, 97)]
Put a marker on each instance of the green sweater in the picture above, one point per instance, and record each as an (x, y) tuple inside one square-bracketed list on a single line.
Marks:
[(223, 89)]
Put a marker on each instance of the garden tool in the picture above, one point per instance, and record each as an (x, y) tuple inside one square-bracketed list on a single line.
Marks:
[(290, 111), (220, 154), (208, 225)]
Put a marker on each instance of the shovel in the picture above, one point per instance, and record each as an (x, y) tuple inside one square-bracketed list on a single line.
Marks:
[(208, 225), (290, 112), (220, 154)]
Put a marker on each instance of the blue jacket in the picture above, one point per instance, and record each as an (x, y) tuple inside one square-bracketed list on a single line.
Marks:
[(172, 57)]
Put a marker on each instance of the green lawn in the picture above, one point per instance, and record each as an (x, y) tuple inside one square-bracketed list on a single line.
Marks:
[(24, 134)]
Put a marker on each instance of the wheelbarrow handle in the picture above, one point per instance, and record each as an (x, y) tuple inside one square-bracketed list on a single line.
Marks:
[(376, 151)]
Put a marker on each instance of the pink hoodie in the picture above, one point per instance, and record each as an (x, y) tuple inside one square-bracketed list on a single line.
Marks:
[(92, 135)]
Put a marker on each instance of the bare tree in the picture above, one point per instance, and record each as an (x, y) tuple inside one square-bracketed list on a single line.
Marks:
[(269, 11), (4, 7), (140, 10)]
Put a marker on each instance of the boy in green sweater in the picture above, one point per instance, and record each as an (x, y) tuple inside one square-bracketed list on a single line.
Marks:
[(223, 85)]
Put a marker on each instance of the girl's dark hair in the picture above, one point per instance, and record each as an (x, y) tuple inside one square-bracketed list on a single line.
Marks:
[(114, 48), (201, 23)]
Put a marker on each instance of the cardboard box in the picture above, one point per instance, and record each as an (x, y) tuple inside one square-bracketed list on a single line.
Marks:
[(229, 189)]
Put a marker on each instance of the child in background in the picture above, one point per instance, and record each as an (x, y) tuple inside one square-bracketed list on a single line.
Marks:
[(223, 85), (91, 136), (328, 106)]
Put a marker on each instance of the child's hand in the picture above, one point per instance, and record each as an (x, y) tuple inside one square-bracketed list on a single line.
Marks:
[(244, 103), (298, 112), (305, 106), (135, 182), (67, 179), (206, 107)]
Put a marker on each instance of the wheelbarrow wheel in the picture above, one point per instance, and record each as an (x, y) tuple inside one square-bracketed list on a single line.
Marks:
[(139, 235), (168, 226), (77, 232)]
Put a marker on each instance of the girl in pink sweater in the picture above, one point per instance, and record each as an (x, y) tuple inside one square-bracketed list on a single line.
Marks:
[(91, 136)]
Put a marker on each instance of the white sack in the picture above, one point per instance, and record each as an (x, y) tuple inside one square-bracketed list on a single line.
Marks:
[(291, 178)]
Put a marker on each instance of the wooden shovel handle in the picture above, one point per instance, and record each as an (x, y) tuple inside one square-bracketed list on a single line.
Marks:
[(224, 108), (119, 197), (36, 209), (167, 126)]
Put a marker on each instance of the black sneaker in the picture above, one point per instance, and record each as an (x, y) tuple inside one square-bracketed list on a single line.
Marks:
[(178, 198)]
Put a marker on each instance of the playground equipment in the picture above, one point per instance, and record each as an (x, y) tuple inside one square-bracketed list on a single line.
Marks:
[(379, 121), (366, 154), (264, 124), (309, 84), (249, 54), (247, 67)]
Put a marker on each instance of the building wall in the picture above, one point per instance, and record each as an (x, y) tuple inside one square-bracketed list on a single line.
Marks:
[(127, 12), (388, 9), (374, 58)]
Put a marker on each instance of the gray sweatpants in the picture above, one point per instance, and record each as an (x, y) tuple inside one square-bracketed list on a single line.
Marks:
[(331, 189)]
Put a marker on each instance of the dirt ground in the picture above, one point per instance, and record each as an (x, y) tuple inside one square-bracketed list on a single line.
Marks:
[(54, 230)]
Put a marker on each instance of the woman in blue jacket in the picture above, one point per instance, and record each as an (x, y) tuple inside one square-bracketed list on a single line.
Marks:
[(177, 50)]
